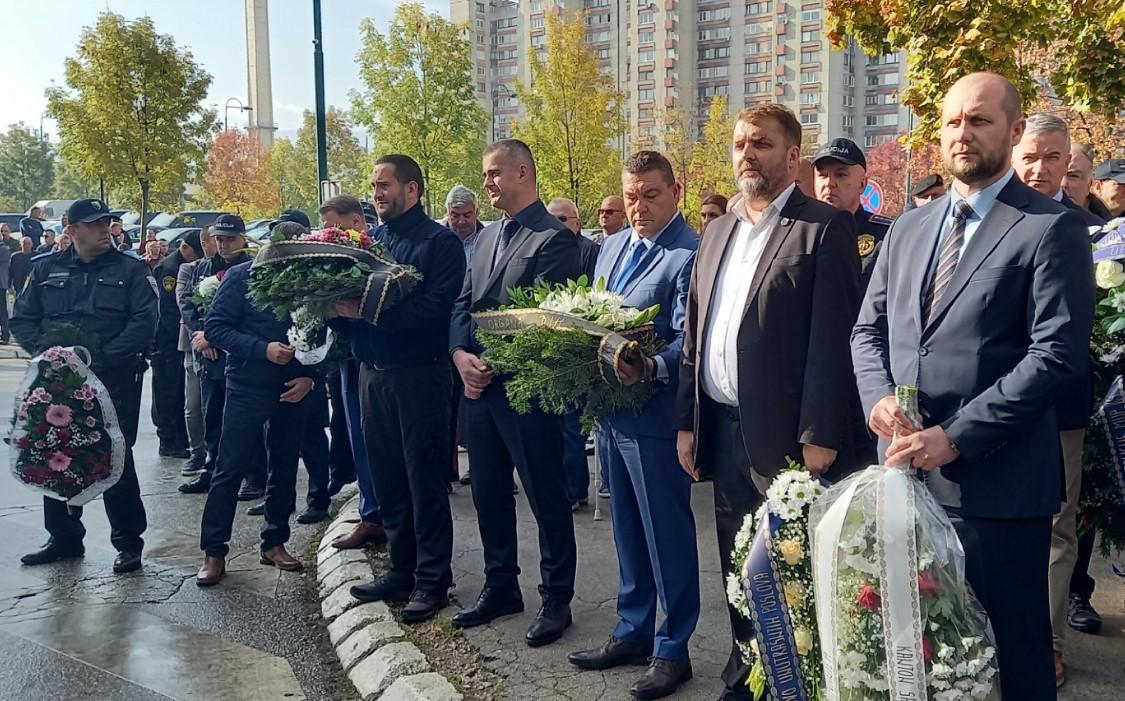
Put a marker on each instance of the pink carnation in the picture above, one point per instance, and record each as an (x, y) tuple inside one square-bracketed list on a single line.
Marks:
[(91, 421), (59, 415), (88, 405), (58, 462)]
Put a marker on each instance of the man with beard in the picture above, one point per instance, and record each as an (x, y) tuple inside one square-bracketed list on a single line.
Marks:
[(986, 307), (765, 372)]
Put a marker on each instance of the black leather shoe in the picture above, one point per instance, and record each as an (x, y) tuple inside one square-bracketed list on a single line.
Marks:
[(335, 485), (383, 589), (248, 493), (312, 515), (491, 604), (423, 606), (257, 510), (613, 653), (553, 618), (662, 678), (127, 561), (53, 552), (199, 485), (1082, 617)]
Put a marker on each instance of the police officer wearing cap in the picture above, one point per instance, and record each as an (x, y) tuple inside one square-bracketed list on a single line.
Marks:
[(168, 382), (841, 176), (107, 300), (1109, 186)]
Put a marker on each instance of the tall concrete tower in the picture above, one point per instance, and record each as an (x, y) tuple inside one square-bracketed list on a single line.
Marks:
[(260, 90)]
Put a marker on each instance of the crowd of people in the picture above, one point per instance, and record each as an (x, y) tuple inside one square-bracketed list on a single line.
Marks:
[(789, 316)]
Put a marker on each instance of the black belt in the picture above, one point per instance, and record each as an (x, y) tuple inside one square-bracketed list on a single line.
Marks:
[(413, 363)]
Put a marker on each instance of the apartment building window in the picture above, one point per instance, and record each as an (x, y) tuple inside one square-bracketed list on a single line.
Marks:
[(480, 7), (538, 39), (810, 98), (644, 113), (598, 19), (644, 18), (717, 34), (714, 15), (757, 8), (810, 15), (713, 53), (480, 38), (646, 37), (881, 120), (603, 54), (882, 60), (848, 101), (869, 141), (645, 75), (714, 72), (595, 37), (847, 121), (810, 117), (757, 67), (810, 56), (645, 94), (537, 22), (849, 80), (536, 5), (890, 98), (596, 3), (509, 22), (809, 77), (480, 87), (882, 79), (706, 91), (757, 47), (646, 56), (810, 35), (757, 87), (872, 99), (847, 59), (758, 28)]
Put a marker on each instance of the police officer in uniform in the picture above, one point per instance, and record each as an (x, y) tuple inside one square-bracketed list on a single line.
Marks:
[(841, 176), (98, 295)]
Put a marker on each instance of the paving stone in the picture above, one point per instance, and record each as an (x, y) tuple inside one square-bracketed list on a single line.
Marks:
[(429, 686), (333, 559), (367, 640), (356, 618), (337, 603), (355, 572), (375, 673)]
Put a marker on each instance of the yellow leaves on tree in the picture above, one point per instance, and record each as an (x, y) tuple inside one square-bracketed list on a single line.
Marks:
[(237, 177)]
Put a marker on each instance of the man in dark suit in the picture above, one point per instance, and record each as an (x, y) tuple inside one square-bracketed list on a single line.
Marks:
[(986, 306), (653, 526), (765, 372), (528, 244)]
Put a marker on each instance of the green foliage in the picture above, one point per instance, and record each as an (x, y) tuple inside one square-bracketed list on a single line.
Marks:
[(293, 163), (26, 166), (131, 110), (418, 97), (314, 283), (710, 166), (72, 184)]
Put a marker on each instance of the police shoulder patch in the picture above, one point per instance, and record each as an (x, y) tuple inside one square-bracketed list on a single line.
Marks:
[(169, 283), (866, 244)]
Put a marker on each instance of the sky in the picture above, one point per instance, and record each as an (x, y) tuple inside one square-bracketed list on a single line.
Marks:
[(213, 30)]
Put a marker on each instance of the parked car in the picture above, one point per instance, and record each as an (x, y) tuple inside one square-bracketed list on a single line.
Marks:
[(198, 218), (172, 236), (12, 219), (53, 209), (133, 218), (258, 230)]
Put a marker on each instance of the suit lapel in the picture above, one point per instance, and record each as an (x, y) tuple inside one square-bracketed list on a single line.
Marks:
[(713, 264), (654, 254), (497, 272), (929, 231), (780, 231)]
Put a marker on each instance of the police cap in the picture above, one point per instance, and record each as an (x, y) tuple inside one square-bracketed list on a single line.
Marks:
[(845, 151), (292, 215), (1113, 169), (87, 211), (932, 180), (228, 225)]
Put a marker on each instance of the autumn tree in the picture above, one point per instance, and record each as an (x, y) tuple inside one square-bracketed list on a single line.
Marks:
[(418, 97), (26, 167), (888, 164), (237, 177), (131, 111), (72, 184), (710, 169), (571, 117), (676, 138), (293, 163)]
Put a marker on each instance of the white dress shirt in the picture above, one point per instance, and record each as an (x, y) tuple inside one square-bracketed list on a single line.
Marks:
[(728, 301)]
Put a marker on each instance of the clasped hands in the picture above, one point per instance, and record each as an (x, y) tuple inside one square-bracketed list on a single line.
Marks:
[(926, 449)]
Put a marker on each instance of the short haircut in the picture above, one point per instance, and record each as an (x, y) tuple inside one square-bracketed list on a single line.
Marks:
[(648, 161), (715, 199), (342, 205), (206, 232), (513, 151), (1043, 123), (1085, 149), (563, 200), (406, 170), (780, 114), (459, 195)]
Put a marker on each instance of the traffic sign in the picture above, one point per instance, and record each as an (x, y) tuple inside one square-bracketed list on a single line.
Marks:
[(872, 197)]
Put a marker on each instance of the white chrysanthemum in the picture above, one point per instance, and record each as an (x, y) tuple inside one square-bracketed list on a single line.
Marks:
[(1108, 274), (736, 596), (1117, 301), (208, 286)]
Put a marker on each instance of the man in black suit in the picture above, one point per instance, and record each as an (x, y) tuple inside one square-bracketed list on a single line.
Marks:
[(528, 244), (766, 373), (985, 304)]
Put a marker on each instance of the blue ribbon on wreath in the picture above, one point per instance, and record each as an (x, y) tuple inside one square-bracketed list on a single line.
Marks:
[(770, 615), (1112, 412)]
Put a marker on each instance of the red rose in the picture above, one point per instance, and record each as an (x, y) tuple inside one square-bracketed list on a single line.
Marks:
[(40, 428), (927, 648), (58, 388), (928, 584), (219, 275), (868, 599), (64, 435)]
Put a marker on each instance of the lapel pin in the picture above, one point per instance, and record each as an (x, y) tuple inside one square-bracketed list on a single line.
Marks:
[(785, 221)]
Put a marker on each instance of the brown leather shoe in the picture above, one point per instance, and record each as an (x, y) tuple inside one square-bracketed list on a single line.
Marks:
[(1060, 671), (364, 532), (280, 558), (211, 572)]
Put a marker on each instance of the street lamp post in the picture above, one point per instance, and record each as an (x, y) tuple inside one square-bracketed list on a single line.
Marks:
[(226, 111), (318, 87), (498, 90)]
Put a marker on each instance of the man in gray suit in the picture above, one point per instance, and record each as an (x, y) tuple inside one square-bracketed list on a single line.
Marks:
[(984, 302)]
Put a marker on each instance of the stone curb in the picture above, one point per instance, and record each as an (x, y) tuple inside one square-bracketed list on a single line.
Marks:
[(371, 645)]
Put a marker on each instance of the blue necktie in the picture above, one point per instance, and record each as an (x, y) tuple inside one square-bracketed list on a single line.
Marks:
[(638, 252)]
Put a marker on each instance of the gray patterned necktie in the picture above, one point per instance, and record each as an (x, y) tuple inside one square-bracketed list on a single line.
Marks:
[(507, 232), (947, 259)]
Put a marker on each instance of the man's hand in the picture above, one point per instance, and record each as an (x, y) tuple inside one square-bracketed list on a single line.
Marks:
[(279, 353), (211, 353), (347, 308), (299, 387), (816, 458), (475, 373), (199, 341), (927, 449), (633, 367), (887, 419), (685, 448)]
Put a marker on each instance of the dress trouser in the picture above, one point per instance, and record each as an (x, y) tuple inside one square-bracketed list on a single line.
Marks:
[(246, 412), (5, 328), (405, 426), (1064, 536), (738, 493), (532, 443), (168, 397), (368, 504), (340, 449), (214, 393), (456, 420), (193, 408), (123, 506), (574, 457), (654, 531), (1081, 583), (315, 452)]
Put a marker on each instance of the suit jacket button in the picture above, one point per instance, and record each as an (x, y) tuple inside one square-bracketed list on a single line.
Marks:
[(923, 351)]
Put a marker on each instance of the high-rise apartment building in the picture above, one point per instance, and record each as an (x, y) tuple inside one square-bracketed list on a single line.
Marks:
[(682, 53)]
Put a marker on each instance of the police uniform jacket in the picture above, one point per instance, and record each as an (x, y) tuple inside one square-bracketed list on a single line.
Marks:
[(193, 316), (111, 298), (871, 230), (168, 330)]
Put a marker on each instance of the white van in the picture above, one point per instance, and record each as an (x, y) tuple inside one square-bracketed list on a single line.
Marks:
[(53, 209)]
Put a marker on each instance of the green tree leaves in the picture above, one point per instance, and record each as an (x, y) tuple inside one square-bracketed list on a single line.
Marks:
[(26, 167)]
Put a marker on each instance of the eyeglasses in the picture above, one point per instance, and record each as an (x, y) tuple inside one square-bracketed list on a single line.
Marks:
[(608, 211), (564, 219)]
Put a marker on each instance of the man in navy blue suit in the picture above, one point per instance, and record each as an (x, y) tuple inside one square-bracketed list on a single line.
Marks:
[(650, 499)]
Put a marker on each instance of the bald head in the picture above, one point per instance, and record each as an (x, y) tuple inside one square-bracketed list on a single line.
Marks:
[(993, 84), (981, 120), (611, 215), (564, 210)]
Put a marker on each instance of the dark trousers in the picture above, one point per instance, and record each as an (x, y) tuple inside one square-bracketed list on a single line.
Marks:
[(123, 506), (1006, 563), (245, 414), (405, 428), (1081, 583), (724, 455), (574, 458), (315, 452), (368, 504), (168, 398), (214, 404), (654, 531), (5, 329), (456, 420), (340, 448), (532, 443)]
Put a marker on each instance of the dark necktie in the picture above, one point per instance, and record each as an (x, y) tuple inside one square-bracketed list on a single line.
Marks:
[(947, 259), (507, 231), (636, 252)]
